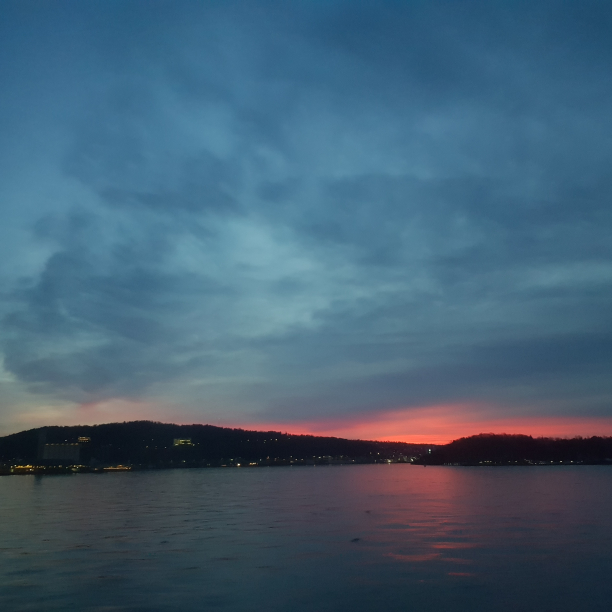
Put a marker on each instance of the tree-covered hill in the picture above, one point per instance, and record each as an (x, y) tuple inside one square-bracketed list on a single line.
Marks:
[(149, 443), (487, 449)]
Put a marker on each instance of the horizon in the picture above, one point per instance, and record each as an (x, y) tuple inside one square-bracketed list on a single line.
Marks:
[(420, 440)]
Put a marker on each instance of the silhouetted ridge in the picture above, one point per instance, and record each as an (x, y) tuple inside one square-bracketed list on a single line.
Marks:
[(508, 449), (151, 444)]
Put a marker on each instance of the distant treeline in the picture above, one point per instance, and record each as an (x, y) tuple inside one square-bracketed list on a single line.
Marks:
[(150, 444), (491, 449)]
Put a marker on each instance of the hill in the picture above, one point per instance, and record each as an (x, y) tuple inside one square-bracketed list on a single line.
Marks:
[(492, 449), (151, 444)]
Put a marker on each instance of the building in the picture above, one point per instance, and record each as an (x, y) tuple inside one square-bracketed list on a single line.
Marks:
[(183, 442), (68, 453)]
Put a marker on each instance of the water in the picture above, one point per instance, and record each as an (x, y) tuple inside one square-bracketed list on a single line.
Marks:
[(354, 538)]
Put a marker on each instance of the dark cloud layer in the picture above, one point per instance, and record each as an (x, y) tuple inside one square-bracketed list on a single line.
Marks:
[(307, 209)]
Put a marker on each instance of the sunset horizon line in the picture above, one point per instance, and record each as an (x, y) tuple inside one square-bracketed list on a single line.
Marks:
[(419, 439)]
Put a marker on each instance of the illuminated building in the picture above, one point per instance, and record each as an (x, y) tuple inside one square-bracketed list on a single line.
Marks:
[(182, 442)]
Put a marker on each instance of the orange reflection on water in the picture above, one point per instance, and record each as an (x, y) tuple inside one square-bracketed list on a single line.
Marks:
[(453, 545), (414, 558), (417, 517)]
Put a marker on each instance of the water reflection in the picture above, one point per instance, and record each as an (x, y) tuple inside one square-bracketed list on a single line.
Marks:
[(335, 538)]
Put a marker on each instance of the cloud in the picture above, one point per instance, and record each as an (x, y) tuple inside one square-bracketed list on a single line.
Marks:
[(326, 209)]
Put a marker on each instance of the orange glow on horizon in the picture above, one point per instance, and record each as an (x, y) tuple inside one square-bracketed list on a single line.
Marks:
[(442, 424), (422, 425)]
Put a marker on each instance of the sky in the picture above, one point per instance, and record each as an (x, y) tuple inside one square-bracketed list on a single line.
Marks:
[(382, 220)]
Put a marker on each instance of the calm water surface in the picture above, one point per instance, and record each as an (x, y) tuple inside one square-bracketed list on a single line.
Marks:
[(352, 538)]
